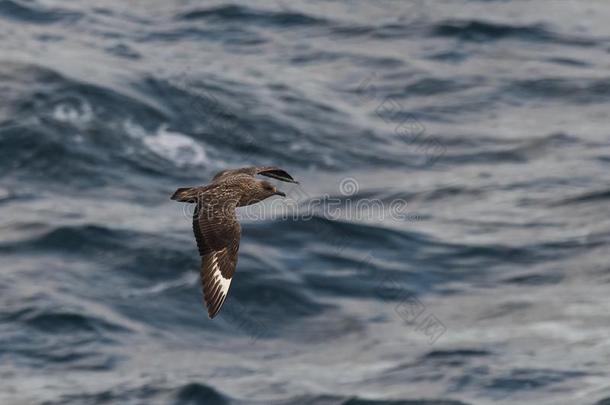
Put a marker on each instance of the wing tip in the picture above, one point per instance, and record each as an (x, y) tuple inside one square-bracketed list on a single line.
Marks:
[(277, 173), (214, 307)]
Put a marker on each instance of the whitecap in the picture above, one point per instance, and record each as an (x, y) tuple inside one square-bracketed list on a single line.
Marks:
[(68, 113), (186, 280), (170, 145)]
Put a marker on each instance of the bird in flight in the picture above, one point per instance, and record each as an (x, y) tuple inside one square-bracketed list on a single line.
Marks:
[(215, 224)]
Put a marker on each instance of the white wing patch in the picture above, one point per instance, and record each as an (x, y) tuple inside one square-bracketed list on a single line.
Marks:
[(215, 285), (219, 280)]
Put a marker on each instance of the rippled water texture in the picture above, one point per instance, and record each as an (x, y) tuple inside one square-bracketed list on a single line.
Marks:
[(489, 119)]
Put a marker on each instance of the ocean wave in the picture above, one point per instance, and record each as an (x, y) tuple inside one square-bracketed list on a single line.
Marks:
[(63, 322), (577, 91), (108, 108), (584, 198), (34, 13), (357, 400), (479, 31), (178, 148), (235, 13), (195, 393)]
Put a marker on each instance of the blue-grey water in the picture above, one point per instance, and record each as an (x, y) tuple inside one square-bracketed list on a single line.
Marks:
[(488, 119)]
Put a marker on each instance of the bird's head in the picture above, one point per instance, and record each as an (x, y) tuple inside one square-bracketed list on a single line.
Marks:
[(257, 191), (267, 190)]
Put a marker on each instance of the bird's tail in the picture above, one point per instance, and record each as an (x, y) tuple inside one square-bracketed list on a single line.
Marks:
[(187, 194)]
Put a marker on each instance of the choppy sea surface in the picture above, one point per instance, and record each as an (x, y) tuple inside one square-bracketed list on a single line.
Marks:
[(488, 121)]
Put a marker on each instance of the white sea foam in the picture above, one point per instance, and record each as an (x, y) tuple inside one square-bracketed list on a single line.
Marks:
[(186, 280), (74, 115), (175, 146)]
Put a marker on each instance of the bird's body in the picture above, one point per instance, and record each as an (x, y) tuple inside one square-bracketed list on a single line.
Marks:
[(215, 224)]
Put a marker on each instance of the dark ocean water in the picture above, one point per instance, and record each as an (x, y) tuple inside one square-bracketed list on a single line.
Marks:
[(488, 119)]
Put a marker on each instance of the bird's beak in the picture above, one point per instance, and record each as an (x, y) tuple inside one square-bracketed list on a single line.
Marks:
[(280, 193)]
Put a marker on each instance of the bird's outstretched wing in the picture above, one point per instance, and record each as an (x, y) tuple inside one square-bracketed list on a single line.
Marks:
[(269, 171), (217, 233)]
